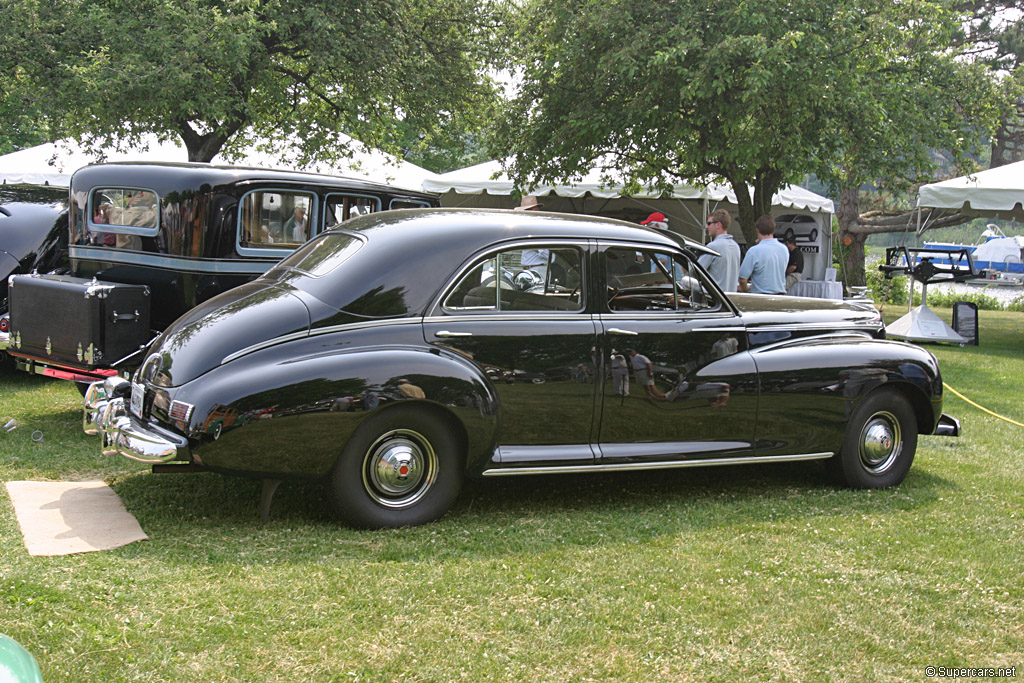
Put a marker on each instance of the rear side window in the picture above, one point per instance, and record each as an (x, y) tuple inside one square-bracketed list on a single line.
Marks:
[(275, 219), (534, 279), (341, 207), (408, 204)]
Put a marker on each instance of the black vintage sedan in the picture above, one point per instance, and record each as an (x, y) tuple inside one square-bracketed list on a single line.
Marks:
[(395, 355)]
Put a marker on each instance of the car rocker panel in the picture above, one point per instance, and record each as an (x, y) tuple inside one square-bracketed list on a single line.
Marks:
[(613, 352)]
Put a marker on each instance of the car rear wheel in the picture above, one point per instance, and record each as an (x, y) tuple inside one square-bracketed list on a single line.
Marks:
[(881, 439), (401, 468)]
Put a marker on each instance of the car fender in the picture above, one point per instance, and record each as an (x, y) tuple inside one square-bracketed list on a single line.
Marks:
[(814, 375), (302, 395)]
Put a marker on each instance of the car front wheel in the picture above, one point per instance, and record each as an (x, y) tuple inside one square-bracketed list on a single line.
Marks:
[(880, 442), (401, 468)]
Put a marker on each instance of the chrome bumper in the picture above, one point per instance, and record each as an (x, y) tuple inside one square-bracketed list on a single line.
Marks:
[(106, 413), (947, 426)]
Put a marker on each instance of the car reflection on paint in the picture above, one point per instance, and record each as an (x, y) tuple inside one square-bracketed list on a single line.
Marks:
[(394, 364)]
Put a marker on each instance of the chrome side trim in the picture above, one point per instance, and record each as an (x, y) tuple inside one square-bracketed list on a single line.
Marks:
[(198, 265), (784, 327), (681, 316), (317, 333), (660, 465), (851, 335), (504, 316)]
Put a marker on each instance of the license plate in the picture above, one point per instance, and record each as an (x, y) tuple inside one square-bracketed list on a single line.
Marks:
[(138, 394)]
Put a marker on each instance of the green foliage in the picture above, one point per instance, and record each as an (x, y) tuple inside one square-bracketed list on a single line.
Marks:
[(756, 93), (896, 290), (224, 74), (1016, 305), (19, 128), (984, 302), (886, 290)]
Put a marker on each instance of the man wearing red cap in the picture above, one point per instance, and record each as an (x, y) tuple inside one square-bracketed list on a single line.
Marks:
[(656, 220)]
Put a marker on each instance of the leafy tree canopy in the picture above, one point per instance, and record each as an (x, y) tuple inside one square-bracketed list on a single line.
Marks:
[(221, 74), (757, 93)]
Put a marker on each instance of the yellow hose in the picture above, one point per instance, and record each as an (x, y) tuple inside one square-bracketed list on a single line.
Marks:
[(982, 408)]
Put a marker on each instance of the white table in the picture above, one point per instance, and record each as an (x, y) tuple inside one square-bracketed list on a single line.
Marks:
[(819, 289)]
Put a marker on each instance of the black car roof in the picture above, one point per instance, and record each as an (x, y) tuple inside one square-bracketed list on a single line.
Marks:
[(410, 253), (169, 176), (47, 195), (473, 229)]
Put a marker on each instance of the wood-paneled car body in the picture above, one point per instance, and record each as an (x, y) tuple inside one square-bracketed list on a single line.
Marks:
[(396, 354), (185, 231)]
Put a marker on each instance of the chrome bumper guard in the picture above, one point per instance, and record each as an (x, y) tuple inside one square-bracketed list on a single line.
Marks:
[(105, 413), (948, 426)]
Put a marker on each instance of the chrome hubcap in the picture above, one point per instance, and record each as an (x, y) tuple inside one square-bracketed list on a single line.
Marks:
[(399, 469), (880, 442)]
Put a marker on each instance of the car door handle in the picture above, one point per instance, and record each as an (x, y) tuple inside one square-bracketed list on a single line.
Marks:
[(446, 333), (628, 333)]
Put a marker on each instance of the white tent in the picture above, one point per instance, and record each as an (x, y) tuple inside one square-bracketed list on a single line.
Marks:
[(53, 163), (601, 192), (997, 192), (490, 178)]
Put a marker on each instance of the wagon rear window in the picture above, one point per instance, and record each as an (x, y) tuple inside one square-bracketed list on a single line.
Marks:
[(125, 208)]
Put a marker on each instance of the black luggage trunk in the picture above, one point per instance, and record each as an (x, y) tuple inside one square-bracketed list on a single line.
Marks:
[(73, 321)]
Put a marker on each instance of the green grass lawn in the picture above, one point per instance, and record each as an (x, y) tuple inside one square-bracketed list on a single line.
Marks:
[(748, 573)]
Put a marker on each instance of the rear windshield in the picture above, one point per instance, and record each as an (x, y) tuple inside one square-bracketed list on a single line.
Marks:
[(320, 256)]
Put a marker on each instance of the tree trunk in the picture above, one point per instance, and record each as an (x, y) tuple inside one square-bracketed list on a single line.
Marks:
[(1008, 143), (751, 208), (747, 216), (850, 238)]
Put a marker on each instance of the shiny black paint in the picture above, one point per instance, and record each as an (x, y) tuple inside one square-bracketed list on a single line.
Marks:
[(284, 370), (194, 254), (33, 232), (314, 392)]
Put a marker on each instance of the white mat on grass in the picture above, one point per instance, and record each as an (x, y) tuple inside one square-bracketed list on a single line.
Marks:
[(66, 517)]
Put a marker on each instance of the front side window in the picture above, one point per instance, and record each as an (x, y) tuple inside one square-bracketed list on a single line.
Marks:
[(275, 219), (522, 279), (651, 280), (341, 207)]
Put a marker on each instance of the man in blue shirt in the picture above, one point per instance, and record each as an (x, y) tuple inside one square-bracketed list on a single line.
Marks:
[(763, 270), (724, 268)]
